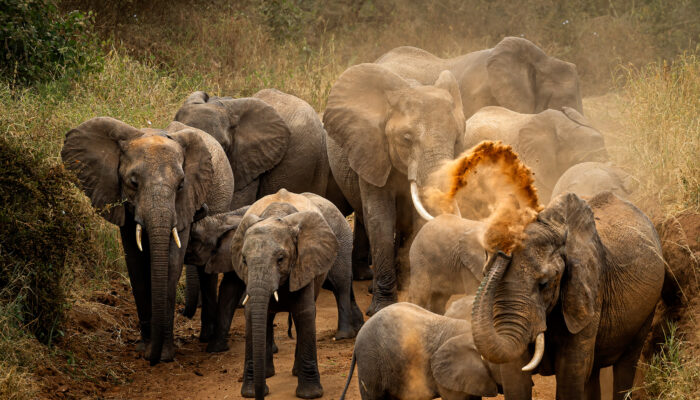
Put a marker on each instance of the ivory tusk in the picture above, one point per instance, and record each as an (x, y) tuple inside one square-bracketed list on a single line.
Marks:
[(456, 207), (277, 299), (539, 352), (245, 299), (177, 238), (138, 237), (417, 204)]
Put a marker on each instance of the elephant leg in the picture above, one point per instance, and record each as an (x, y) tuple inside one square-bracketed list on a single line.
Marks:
[(626, 366), (360, 251), (231, 290), (191, 290), (593, 385), (438, 301), (379, 209), (138, 266), (306, 360), (339, 281), (207, 283), (574, 362)]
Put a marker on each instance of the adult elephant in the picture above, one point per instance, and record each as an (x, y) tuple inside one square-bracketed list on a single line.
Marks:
[(585, 281), (515, 74), (386, 134), (150, 183), (548, 142)]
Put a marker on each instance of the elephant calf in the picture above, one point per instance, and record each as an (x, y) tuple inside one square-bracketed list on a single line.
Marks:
[(590, 178), (283, 249), (404, 351), (446, 258)]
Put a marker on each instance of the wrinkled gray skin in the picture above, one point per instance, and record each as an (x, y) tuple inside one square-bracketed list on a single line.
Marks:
[(588, 275), (446, 258), (210, 248), (273, 140), (286, 244), (549, 143), (404, 351), (590, 178), (515, 74), (384, 132), (159, 180)]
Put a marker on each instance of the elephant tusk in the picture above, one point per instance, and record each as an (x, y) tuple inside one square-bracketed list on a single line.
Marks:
[(417, 204), (277, 299), (177, 238), (245, 299), (539, 352), (138, 237), (456, 207)]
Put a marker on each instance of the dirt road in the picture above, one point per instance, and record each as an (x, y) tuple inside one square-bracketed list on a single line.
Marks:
[(196, 374)]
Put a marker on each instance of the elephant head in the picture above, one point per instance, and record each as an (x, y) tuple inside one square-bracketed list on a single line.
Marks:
[(211, 239), (152, 180), (558, 264), (524, 79), (280, 249), (385, 122), (253, 135), (553, 141)]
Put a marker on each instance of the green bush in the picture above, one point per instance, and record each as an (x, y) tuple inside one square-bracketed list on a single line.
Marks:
[(41, 44)]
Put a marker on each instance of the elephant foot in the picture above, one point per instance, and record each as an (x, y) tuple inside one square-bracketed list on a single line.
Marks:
[(275, 349), (166, 355), (377, 304), (141, 347), (269, 369), (248, 389), (345, 334), (309, 390), (362, 272), (206, 333), (217, 346)]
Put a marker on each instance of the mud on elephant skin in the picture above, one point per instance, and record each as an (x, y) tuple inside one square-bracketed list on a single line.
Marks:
[(446, 258), (284, 248), (515, 74), (585, 282), (404, 351), (549, 142), (386, 135), (150, 183)]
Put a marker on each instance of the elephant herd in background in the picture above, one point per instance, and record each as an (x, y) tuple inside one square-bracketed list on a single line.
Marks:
[(257, 189)]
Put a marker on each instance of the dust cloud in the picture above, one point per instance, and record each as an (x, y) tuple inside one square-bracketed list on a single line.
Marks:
[(489, 183)]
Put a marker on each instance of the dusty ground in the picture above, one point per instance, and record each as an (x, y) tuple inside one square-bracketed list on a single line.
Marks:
[(196, 374)]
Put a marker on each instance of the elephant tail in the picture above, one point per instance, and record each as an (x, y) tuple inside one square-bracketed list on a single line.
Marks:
[(290, 322), (352, 371)]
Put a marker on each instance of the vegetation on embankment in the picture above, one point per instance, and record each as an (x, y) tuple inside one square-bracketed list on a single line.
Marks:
[(151, 54)]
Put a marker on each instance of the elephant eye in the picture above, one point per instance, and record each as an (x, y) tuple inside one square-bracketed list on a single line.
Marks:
[(280, 259), (245, 262), (407, 138), (543, 285), (133, 182), (181, 185)]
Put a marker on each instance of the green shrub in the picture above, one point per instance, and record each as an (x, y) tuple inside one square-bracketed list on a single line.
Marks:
[(41, 44)]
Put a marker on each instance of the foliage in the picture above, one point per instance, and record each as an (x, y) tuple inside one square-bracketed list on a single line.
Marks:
[(41, 44)]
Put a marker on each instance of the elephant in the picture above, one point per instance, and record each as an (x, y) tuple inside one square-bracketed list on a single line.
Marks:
[(273, 140), (590, 178), (210, 248), (446, 258), (284, 248), (386, 135), (404, 351), (153, 184), (548, 143), (515, 74), (585, 281)]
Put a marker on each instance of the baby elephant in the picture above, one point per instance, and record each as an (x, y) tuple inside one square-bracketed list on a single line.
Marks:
[(446, 258), (587, 179), (404, 351), (283, 250)]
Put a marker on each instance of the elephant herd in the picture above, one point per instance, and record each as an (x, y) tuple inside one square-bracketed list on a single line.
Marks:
[(257, 189)]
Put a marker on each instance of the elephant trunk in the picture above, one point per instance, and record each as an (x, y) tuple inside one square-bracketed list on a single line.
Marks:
[(159, 236), (192, 292), (508, 342), (258, 308)]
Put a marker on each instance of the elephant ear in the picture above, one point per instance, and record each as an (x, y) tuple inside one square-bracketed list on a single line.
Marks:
[(584, 252), (199, 174), (236, 245), (259, 138), (92, 151), (447, 81), (220, 260), (578, 140), (471, 252), (355, 116), (537, 140), (511, 73), (317, 248), (457, 366)]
